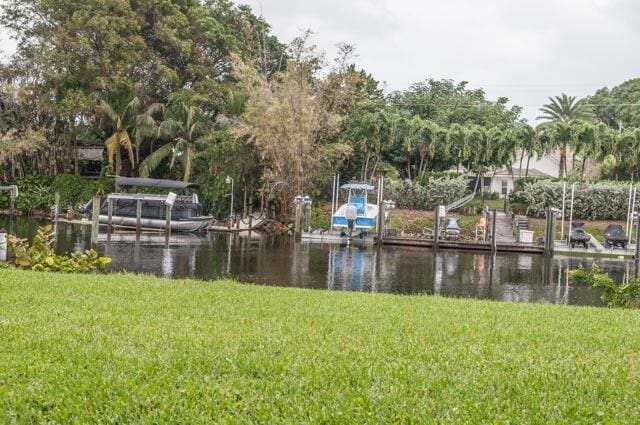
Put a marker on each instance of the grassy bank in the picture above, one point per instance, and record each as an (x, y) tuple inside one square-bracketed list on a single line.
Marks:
[(124, 348)]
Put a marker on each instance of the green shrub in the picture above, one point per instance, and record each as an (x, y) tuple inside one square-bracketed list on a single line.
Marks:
[(40, 256), (319, 220), (74, 190), (592, 201), (626, 295), (438, 191), (35, 193)]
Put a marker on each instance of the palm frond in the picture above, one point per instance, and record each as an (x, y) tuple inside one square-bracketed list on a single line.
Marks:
[(187, 159), (169, 128), (125, 141), (112, 146), (154, 159), (130, 111), (107, 111)]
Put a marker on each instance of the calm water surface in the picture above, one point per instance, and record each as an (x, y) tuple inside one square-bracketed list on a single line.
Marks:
[(282, 261)]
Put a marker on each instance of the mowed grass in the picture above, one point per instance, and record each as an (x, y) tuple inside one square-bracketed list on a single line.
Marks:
[(137, 349)]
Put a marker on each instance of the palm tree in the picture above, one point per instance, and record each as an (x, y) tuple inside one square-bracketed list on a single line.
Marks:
[(565, 110), (457, 144), (426, 146), (121, 123), (125, 124), (185, 130)]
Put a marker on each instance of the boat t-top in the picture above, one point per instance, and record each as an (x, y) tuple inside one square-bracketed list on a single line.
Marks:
[(357, 213)]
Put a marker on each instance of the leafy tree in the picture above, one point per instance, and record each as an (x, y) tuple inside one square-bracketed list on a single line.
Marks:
[(446, 102), (290, 125), (619, 107), (186, 130)]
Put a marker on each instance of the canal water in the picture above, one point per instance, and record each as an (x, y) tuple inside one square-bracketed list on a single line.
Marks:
[(270, 260)]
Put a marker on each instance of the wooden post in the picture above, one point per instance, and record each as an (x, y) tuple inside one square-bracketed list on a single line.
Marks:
[(138, 216), (167, 227), (12, 202), (436, 233), (109, 215), (380, 223), (494, 239), (296, 228), (637, 254), (95, 220), (549, 234)]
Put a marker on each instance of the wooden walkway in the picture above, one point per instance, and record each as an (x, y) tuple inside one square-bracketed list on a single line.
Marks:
[(504, 231)]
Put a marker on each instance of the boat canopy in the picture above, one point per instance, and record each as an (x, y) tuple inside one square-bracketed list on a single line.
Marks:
[(166, 184), (357, 186)]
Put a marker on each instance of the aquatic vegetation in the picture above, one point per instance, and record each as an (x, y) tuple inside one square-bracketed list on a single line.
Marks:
[(40, 255), (127, 348), (615, 294)]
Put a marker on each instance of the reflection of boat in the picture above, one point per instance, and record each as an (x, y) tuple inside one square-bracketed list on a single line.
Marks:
[(155, 238), (185, 210), (357, 213)]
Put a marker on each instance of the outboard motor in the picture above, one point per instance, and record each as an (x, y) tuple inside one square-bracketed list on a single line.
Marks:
[(351, 212)]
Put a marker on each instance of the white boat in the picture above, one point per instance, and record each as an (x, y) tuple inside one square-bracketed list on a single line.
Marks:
[(357, 213)]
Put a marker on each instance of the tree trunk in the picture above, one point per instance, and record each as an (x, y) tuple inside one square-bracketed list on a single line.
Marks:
[(526, 173), (520, 167), (563, 161)]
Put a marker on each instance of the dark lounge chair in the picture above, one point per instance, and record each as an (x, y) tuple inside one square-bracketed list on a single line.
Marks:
[(614, 236)]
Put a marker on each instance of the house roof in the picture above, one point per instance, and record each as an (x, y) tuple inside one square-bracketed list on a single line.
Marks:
[(521, 172)]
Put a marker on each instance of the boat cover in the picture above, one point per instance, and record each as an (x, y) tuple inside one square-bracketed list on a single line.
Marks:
[(162, 183)]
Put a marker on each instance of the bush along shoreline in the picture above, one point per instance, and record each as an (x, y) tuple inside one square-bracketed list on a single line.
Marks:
[(604, 200), (39, 255)]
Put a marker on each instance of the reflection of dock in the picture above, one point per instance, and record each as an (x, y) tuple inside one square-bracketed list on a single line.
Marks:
[(335, 237), (238, 225), (148, 239)]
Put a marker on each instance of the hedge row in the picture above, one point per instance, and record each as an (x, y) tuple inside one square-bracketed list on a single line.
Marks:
[(437, 191), (37, 192), (592, 201)]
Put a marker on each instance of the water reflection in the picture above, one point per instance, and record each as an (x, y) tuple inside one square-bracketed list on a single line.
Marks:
[(404, 270)]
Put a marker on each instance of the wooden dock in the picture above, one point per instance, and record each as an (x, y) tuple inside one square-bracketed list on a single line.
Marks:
[(501, 246)]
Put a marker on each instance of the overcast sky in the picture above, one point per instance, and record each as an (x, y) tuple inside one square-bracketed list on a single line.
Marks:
[(526, 50)]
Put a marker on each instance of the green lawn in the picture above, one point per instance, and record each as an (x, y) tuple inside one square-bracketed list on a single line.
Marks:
[(131, 349)]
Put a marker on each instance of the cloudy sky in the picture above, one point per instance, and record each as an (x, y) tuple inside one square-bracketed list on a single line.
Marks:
[(525, 50)]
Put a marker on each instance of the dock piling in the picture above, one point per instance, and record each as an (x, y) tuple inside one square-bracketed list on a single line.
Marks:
[(139, 217), (436, 229), (494, 239), (109, 215), (95, 220)]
